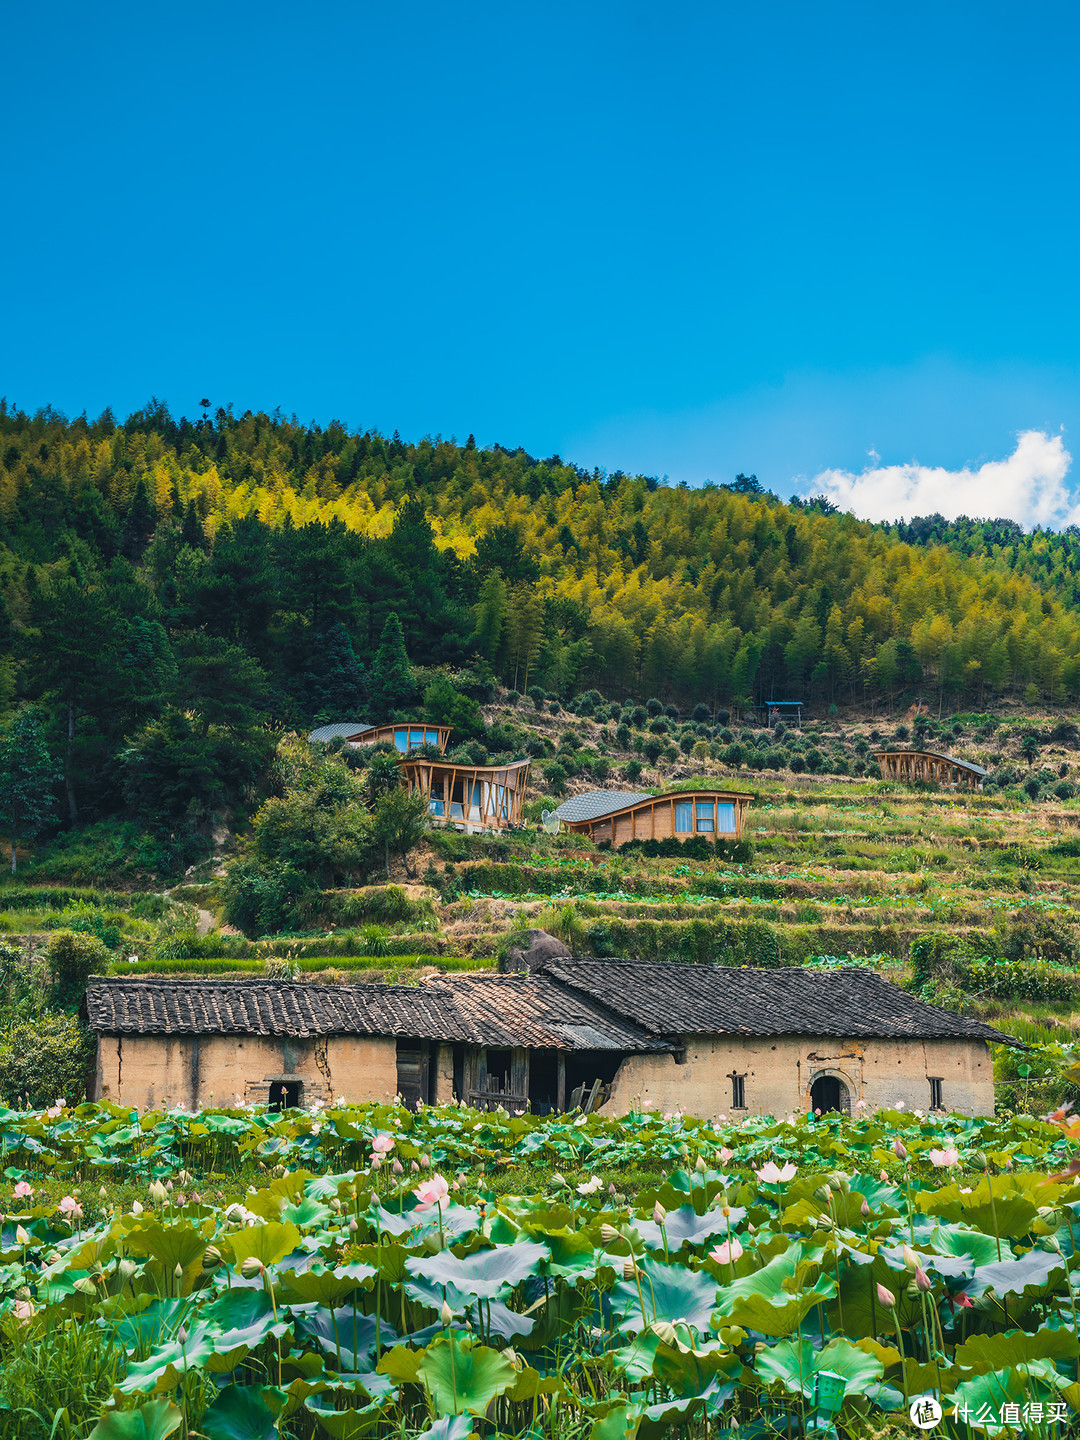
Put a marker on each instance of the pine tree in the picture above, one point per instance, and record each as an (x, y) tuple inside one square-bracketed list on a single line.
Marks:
[(28, 774), (392, 683), (138, 524)]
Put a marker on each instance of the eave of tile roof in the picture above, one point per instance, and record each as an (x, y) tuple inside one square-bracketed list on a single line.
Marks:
[(672, 999), (528, 1010)]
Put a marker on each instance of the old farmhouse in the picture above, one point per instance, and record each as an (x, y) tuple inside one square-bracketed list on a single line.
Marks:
[(619, 816), (705, 1038)]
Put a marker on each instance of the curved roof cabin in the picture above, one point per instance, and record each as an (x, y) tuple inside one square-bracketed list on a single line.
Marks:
[(930, 767), (620, 816), (404, 735)]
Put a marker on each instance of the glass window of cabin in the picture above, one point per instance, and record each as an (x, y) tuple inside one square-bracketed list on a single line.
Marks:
[(416, 737), (432, 737), (401, 740), (706, 817), (726, 819), (684, 817)]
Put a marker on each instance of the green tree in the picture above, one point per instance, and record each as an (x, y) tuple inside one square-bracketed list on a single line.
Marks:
[(399, 823), (28, 774), (392, 683), (1029, 749)]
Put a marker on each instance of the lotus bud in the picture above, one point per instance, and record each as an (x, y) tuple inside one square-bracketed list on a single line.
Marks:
[(103, 1194), (682, 1152), (353, 1227), (611, 1189), (181, 1335), (136, 1208), (659, 1214), (629, 1268), (252, 1267), (899, 1149), (196, 1198), (414, 1167), (158, 1193), (21, 1237), (168, 1185), (911, 1260), (425, 1161), (864, 1210), (884, 1177), (979, 1160), (52, 1257), (608, 1233), (446, 1314), (665, 1333), (178, 1271), (885, 1297), (823, 1194), (211, 1258), (700, 1166), (376, 1162), (397, 1168), (1051, 1218), (922, 1280)]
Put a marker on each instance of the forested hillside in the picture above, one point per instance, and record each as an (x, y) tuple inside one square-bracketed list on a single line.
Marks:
[(182, 587)]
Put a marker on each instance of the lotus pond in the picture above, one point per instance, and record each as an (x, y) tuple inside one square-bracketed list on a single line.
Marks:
[(370, 1271)]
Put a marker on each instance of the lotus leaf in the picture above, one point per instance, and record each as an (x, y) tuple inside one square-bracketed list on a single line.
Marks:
[(983, 1353), (324, 1286), (668, 1292), (1015, 1276), (240, 1412), (450, 1427), (795, 1362), (483, 1274), (162, 1368), (348, 1424), (463, 1377), (152, 1421), (345, 1333), (685, 1227), (267, 1243)]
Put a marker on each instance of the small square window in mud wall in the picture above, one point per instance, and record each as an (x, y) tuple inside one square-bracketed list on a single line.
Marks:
[(829, 1092), (937, 1092), (285, 1094)]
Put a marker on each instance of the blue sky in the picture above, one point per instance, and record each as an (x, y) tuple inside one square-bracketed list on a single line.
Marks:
[(686, 239)]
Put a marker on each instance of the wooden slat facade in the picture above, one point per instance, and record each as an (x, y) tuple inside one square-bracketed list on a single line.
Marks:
[(681, 815), (926, 767), (403, 735), (477, 797)]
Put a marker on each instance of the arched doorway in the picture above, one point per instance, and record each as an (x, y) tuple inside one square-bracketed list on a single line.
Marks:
[(829, 1092)]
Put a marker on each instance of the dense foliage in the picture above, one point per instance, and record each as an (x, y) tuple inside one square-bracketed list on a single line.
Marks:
[(366, 1291)]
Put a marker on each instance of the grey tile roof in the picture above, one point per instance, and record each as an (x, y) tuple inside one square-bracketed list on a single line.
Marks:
[(673, 999), (597, 803), (342, 728), (527, 1010), (263, 1007)]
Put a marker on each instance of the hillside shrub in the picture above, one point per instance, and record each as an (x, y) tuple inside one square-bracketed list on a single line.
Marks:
[(45, 1059), (71, 959)]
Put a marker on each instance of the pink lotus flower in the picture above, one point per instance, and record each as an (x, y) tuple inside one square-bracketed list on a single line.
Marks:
[(23, 1191), (884, 1177), (961, 1299), (885, 1297), (382, 1144), (431, 1192), (771, 1174), (68, 1205), (899, 1149), (23, 1310), (726, 1253), (726, 1154), (944, 1158)]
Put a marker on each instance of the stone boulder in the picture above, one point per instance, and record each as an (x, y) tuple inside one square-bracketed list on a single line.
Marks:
[(533, 949)]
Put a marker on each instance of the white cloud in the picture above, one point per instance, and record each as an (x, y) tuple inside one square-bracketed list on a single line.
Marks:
[(1029, 487)]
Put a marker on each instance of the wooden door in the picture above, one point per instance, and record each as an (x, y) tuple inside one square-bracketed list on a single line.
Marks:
[(414, 1071)]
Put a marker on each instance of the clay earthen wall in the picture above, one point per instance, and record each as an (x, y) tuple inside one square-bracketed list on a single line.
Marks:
[(779, 1074)]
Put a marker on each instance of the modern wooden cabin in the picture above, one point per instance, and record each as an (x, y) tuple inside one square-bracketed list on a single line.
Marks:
[(473, 797), (404, 735), (930, 767), (621, 816)]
